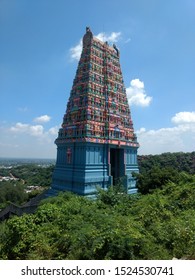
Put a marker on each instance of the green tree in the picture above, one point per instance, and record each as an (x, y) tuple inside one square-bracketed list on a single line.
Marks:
[(12, 192), (156, 178)]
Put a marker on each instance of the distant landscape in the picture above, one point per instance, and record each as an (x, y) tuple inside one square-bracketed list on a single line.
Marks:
[(8, 162), (156, 223), (22, 179)]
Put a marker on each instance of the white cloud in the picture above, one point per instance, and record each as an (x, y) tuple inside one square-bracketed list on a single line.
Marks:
[(75, 52), (170, 139), (19, 127), (34, 130), (53, 130), (42, 119), (184, 117), (136, 94), (27, 140), (110, 38)]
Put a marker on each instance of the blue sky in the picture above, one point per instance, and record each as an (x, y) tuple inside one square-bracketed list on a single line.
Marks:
[(39, 50)]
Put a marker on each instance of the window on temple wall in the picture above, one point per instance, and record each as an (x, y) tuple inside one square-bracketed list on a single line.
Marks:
[(69, 155)]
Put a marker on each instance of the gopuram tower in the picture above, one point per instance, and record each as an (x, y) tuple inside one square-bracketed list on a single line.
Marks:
[(96, 144)]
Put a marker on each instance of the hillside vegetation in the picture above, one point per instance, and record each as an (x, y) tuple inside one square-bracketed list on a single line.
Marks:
[(179, 161), (157, 170), (159, 224)]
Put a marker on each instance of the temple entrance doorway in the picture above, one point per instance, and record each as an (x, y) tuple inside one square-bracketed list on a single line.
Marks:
[(117, 164)]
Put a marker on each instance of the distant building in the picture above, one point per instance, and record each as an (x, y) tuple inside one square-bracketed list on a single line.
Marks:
[(96, 144), (8, 178)]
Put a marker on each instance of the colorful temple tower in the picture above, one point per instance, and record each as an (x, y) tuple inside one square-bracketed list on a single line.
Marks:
[(96, 144)]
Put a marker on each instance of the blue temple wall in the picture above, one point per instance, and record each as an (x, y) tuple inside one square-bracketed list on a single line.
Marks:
[(86, 171), (88, 168)]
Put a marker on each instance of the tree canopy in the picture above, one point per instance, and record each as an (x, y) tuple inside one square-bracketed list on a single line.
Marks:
[(159, 225)]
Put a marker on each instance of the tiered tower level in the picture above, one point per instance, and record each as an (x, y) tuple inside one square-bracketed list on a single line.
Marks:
[(96, 145)]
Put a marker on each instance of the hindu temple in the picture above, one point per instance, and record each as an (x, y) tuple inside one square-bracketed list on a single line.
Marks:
[(96, 144)]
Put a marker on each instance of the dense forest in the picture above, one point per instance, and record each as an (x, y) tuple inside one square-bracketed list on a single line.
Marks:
[(156, 223), (179, 161), (157, 170)]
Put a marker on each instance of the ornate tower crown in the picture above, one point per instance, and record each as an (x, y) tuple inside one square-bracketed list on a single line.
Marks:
[(98, 110)]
